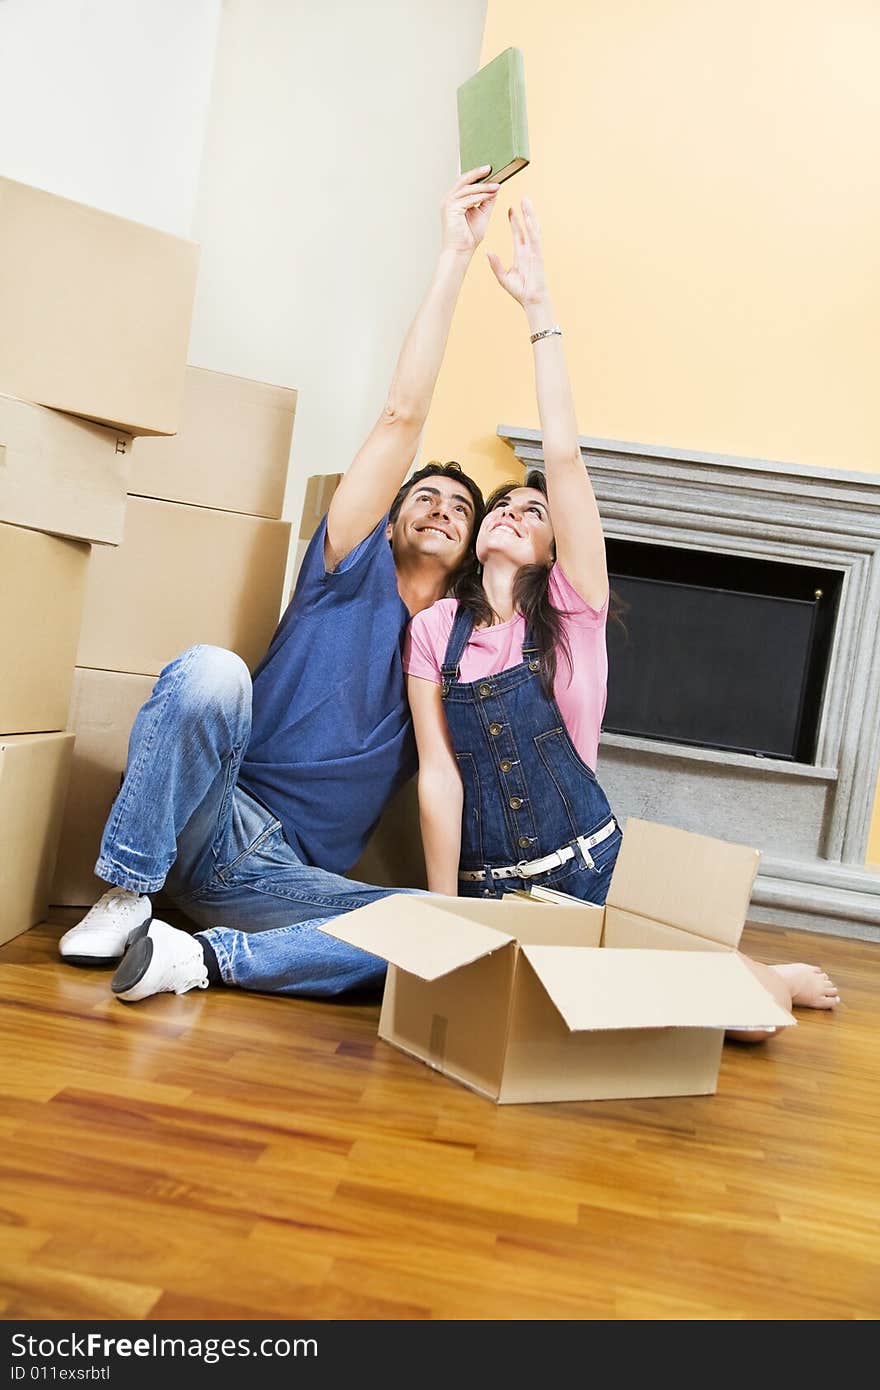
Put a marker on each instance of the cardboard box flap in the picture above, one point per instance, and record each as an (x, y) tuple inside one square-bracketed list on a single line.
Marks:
[(597, 988), (417, 936), (684, 880)]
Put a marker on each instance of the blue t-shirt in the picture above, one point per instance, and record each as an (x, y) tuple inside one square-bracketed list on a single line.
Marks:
[(331, 740)]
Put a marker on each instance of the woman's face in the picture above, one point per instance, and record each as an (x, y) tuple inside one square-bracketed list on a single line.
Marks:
[(518, 527)]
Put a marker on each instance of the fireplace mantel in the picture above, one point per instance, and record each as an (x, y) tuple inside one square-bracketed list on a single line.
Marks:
[(811, 821)]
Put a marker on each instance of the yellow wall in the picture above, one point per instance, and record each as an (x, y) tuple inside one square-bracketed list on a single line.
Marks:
[(706, 176)]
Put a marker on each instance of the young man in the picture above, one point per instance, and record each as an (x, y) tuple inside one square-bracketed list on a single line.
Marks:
[(248, 801)]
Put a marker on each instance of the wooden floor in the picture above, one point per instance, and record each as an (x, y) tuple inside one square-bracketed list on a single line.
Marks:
[(224, 1155)]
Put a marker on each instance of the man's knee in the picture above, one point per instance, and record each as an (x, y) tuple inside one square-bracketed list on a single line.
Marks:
[(211, 677)]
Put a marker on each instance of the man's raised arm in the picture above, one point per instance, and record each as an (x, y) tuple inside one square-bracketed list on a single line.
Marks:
[(381, 464)]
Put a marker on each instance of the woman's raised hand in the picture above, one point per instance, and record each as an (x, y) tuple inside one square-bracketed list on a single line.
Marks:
[(526, 278), (466, 209)]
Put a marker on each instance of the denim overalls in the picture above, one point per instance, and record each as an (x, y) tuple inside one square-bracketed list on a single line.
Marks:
[(528, 796)]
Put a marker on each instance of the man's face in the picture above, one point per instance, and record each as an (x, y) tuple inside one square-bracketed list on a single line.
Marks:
[(435, 520)]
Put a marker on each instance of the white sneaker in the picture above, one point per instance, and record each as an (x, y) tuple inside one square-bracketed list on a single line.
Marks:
[(107, 928), (160, 960)]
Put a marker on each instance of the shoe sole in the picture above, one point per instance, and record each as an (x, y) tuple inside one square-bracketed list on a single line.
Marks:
[(91, 960), (107, 960), (136, 961)]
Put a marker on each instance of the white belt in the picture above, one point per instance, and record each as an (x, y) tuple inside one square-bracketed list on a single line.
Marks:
[(530, 868)]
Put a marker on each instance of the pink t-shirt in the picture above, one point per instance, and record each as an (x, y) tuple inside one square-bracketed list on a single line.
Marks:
[(580, 691)]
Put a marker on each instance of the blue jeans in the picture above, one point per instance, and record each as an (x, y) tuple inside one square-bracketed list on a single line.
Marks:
[(181, 822)]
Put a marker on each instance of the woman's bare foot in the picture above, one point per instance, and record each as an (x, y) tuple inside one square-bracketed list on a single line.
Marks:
[(809, 986), (750, 1035)]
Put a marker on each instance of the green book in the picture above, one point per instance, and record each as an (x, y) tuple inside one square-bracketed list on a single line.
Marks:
[(492, 124)]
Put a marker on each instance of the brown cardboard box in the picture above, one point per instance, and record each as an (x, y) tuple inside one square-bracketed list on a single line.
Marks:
[(316, 503), (62, 474), (231, 451), (530, 1001), (41, 605), (319, 492), (95, 311), (102, 710), (33, 781), (393, 857), (184, 575)]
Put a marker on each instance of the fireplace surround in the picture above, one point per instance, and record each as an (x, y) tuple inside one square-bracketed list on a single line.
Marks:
[(810, 819)]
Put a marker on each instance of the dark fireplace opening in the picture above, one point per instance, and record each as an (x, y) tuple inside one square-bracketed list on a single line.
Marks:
[(719, 651)]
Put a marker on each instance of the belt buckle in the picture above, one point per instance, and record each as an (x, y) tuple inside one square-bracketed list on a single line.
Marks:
[(522, 864)]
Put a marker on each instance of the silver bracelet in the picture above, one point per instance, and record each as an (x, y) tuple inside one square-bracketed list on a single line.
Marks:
[(555, 332)]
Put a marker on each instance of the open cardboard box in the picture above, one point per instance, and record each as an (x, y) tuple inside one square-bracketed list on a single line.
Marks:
[(529, 1001)]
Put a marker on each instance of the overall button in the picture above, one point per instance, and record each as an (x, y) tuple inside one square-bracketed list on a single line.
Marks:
[(506, 765), (485, 689), (523, 842), (495, 730), (515, 802), (534, 665)]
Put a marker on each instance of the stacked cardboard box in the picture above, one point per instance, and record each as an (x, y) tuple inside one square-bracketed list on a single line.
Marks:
[(316, 503), (95, 313), (203, 561)]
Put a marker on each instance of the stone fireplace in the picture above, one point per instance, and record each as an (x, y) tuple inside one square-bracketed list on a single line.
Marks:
[(809, 812)]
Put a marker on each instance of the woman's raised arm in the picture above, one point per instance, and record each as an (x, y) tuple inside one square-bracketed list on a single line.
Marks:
[(381, 464), (580, 544)]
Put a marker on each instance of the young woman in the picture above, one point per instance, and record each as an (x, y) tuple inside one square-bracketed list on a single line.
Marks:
[(507, 680)]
